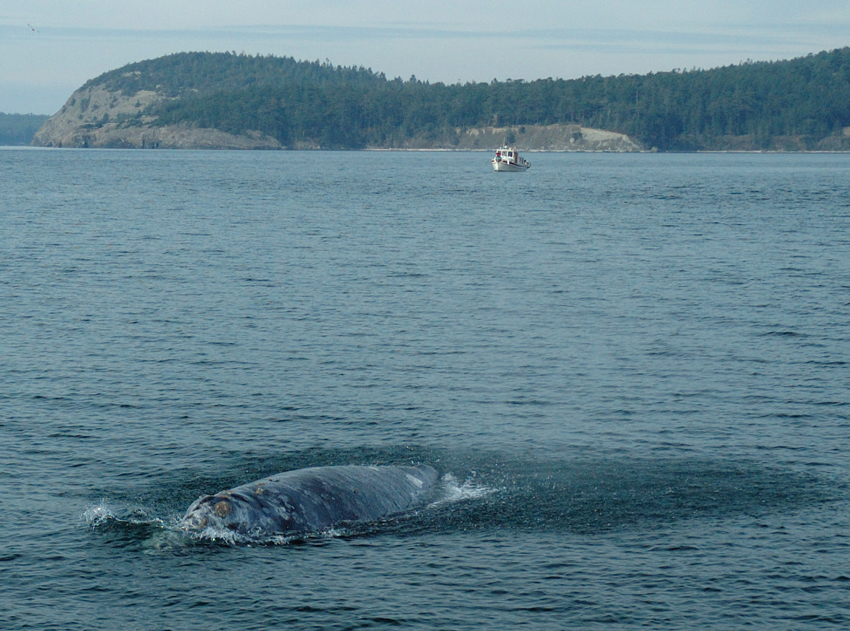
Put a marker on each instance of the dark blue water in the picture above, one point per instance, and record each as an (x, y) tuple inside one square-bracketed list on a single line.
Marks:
[(632, 372)]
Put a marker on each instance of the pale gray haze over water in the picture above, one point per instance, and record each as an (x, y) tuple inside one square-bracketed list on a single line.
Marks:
[(50, 48)]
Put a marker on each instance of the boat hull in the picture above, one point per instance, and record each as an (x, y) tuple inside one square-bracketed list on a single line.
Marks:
[(508, 166)]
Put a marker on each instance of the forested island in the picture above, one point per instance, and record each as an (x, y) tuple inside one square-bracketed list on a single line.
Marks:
[(19, 129), (225, 100)]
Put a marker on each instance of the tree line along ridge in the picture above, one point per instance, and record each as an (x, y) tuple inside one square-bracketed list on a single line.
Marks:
[(766, 103)]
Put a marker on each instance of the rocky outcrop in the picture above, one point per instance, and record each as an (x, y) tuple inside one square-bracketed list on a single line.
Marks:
[(546, 138), (95, 117)]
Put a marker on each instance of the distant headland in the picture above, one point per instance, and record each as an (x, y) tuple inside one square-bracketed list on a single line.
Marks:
[(19, 129), (230, 101)]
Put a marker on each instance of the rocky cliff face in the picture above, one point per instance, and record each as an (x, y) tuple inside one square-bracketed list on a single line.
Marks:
[(96, 117)]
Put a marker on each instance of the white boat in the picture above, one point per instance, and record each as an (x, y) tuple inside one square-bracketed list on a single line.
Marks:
[(508, 159)]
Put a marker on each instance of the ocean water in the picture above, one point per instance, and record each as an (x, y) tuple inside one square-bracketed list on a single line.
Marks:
[(631, 371)]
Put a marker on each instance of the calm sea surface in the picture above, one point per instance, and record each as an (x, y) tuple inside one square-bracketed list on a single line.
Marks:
[(631, 371)]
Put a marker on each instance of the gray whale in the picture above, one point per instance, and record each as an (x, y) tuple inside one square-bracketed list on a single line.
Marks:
[(308, 500)]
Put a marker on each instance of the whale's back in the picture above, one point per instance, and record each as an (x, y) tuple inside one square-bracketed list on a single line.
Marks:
[(313, 499)]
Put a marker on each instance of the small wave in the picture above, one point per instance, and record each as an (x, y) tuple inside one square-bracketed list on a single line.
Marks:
[(230, 538), (98, 515), (102, 517), (783, 334), (157, 536), (217, 535), (454, 491)]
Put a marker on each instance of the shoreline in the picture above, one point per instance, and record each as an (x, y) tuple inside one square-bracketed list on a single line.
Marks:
[(32, 147)]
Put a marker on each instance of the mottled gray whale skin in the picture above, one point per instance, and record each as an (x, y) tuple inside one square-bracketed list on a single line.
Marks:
[(308, 500)]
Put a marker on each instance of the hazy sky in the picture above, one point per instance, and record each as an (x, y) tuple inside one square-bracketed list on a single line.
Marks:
[(48, 48)]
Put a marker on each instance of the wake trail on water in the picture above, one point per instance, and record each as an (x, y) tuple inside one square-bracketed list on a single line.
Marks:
[(588, 496)]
